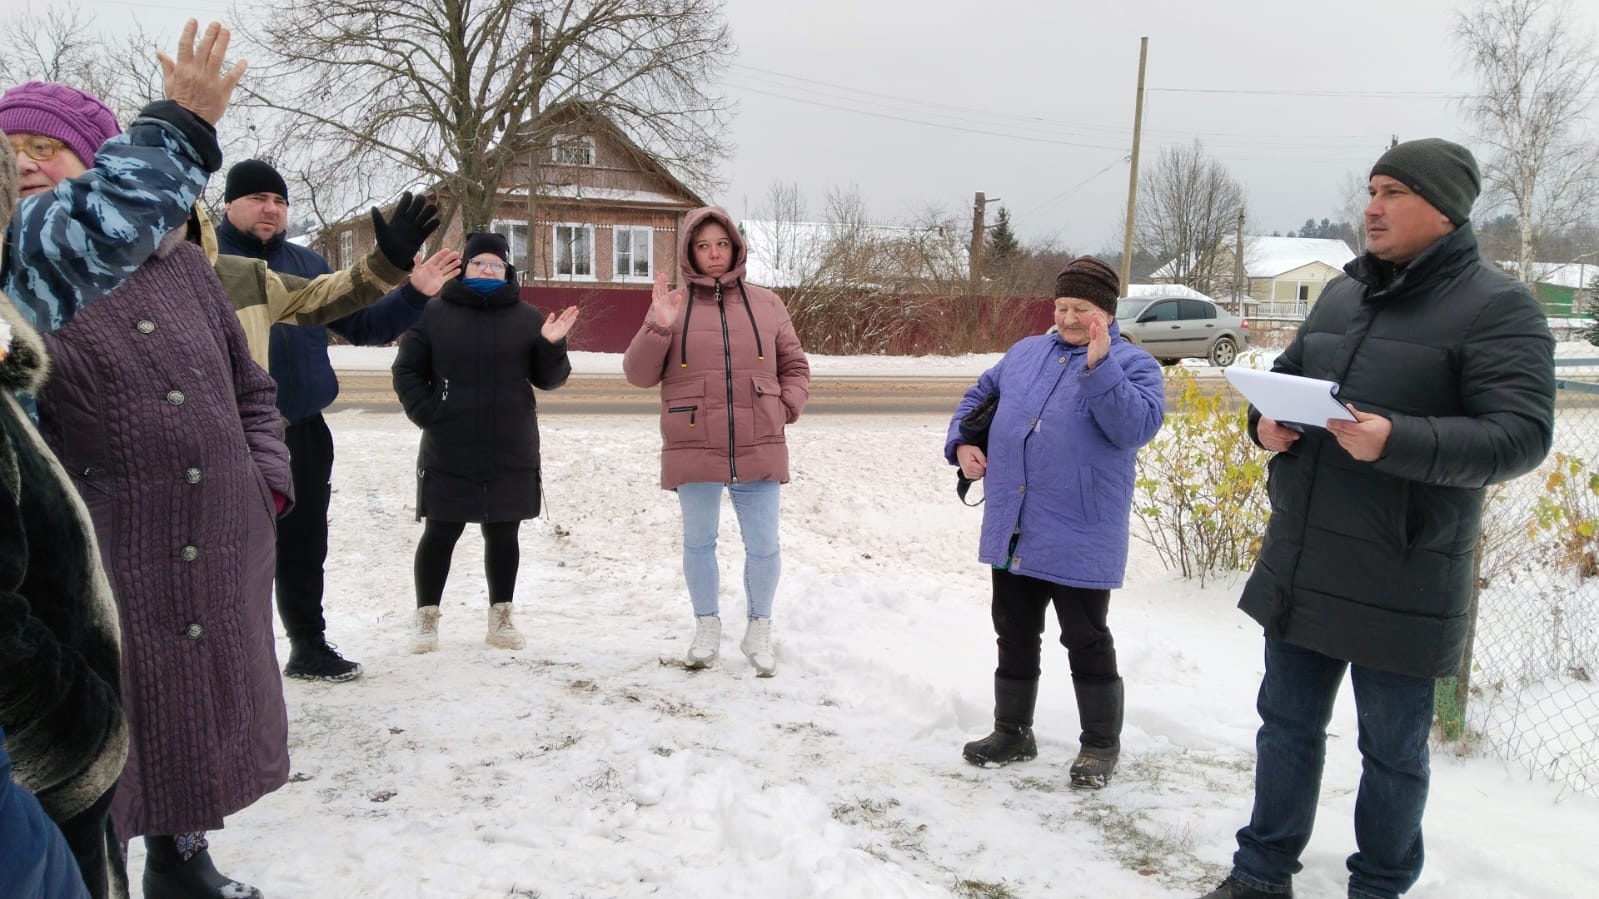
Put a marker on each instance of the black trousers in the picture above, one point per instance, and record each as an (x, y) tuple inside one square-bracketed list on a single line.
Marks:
[(1018, 608), (95, 846), (303, 533), (502, 555)]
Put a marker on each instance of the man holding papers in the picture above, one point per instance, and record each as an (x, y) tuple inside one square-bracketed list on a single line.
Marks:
[(1447, 368)]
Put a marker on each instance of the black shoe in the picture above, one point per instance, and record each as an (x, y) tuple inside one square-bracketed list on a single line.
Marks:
[(196, 878), (1006, 744), (1092, 770), (319, 660), (1232, 889)]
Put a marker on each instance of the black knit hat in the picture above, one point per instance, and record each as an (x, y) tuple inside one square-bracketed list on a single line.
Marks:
[(1086, 278), (479, 242), (1442, 173), (253, 176)]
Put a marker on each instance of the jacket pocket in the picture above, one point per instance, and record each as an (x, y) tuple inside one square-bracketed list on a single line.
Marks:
[(768, 402), (683, 414)]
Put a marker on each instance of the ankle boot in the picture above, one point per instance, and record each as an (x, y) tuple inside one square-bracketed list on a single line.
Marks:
[(425, 630), (197, 878), (1099, 708), (1012, 739)]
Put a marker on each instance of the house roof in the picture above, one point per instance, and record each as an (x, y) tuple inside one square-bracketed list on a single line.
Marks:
[(1139, 291), (1559, 274), (1268, 257)]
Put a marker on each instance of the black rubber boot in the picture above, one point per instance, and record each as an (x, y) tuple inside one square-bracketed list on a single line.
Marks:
[(165, 877), (1012, 739), (1232, 889), (1099, 708)]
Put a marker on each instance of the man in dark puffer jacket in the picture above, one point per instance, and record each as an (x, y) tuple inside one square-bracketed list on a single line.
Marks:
[(1367, 562)]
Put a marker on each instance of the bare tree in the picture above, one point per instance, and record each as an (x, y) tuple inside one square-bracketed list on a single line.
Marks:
[(61, 45), (469, 95), (1188, 209), (1356, 197), (1536, 77)]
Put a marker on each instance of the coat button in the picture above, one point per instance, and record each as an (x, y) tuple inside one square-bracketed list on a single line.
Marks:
[(1022, 489), (189, 554), (192, 475), (194, 631), (145, 327), (175, 397), (1061, 361)]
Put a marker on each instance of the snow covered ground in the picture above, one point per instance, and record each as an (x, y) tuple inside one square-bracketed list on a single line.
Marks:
[(591, 764)]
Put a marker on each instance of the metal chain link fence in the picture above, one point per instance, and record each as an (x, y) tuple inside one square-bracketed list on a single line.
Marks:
[(1528, 691)]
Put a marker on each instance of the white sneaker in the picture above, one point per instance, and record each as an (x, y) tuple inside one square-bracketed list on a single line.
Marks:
[(425, 631), (502, 630), (707, 643), (757, 646)]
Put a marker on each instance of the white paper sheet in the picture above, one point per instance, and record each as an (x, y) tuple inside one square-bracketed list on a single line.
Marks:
[(1290, 399)]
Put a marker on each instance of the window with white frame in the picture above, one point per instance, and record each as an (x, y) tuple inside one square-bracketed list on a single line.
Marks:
[(633, 252), (574, 250), (572, 149), (515, 235), (347, 247)]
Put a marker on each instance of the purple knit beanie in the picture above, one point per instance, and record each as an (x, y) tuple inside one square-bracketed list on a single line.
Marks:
[(67, 114)]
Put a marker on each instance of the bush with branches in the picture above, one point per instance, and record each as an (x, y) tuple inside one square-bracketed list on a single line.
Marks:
[(1200, 492)]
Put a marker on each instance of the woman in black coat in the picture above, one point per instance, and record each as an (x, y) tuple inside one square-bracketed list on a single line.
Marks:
[(465, 374)]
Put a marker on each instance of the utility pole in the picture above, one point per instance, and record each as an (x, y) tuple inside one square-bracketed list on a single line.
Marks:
[(974, 257), (1132, 177), (1239, 279)]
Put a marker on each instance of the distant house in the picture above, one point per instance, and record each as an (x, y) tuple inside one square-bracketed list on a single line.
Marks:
[(596, 211), (1285, 273), (1564, 288)]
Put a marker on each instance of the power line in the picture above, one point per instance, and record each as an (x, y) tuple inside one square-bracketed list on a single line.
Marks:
[(915, 121), (1079, 185)]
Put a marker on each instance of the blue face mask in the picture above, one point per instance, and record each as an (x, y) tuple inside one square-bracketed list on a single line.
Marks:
[(484, 286)]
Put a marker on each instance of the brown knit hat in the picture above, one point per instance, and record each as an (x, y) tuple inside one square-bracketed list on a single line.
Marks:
[(1086, 278)]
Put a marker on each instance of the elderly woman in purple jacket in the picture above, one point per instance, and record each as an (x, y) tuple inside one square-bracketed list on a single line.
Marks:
[(1074, 407)]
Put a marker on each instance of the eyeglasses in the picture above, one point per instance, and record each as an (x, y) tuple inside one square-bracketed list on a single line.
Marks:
[(487, 266), (38, 147)]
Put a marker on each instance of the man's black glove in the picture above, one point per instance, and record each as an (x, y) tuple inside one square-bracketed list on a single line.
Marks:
[(405, 231)]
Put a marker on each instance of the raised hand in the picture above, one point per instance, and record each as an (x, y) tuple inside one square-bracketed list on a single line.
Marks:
[(195, 80), (665, 304), (402, 234), (1098, 338), (556, 327), (428, 276)]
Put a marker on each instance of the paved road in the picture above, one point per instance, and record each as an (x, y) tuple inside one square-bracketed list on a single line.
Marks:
[(610, 394), (884, 395)]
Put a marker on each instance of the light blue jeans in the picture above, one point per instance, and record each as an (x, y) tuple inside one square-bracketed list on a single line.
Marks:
[(755, 503)]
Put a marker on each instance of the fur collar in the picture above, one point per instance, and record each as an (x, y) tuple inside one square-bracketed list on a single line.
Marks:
[(23, 363)]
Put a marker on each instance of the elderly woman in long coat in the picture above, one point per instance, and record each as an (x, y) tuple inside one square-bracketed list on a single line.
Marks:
[(172, 437)]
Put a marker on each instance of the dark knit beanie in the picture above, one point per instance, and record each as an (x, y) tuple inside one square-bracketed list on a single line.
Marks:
[(479, 242), (1086, 278), (67, 114), (1442, 173), (253, 176)]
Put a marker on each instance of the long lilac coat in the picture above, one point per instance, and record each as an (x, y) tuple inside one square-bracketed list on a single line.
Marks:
[(1061, 455), (173, 438)]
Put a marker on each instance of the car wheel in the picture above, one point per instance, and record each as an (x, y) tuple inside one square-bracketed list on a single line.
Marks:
[(1223, 352), (1168, 362)]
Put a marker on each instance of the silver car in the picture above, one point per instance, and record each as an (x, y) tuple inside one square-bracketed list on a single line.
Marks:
[(1173, 328)]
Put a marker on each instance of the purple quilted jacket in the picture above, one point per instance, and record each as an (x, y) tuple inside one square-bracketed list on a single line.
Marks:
[(173, 438)]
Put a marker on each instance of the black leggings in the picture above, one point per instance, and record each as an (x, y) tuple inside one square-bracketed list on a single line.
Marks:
[(501, 556), (1019, 605)]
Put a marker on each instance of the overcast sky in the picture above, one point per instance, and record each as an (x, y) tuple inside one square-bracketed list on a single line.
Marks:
[(923, 103)]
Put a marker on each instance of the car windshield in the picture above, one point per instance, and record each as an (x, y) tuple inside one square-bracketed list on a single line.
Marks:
[(1129, 309)]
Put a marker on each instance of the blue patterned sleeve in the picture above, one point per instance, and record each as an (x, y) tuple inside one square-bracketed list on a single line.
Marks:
[(77, 243)]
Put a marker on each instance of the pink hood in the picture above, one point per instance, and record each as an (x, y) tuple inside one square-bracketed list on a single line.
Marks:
[(685, 253)]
